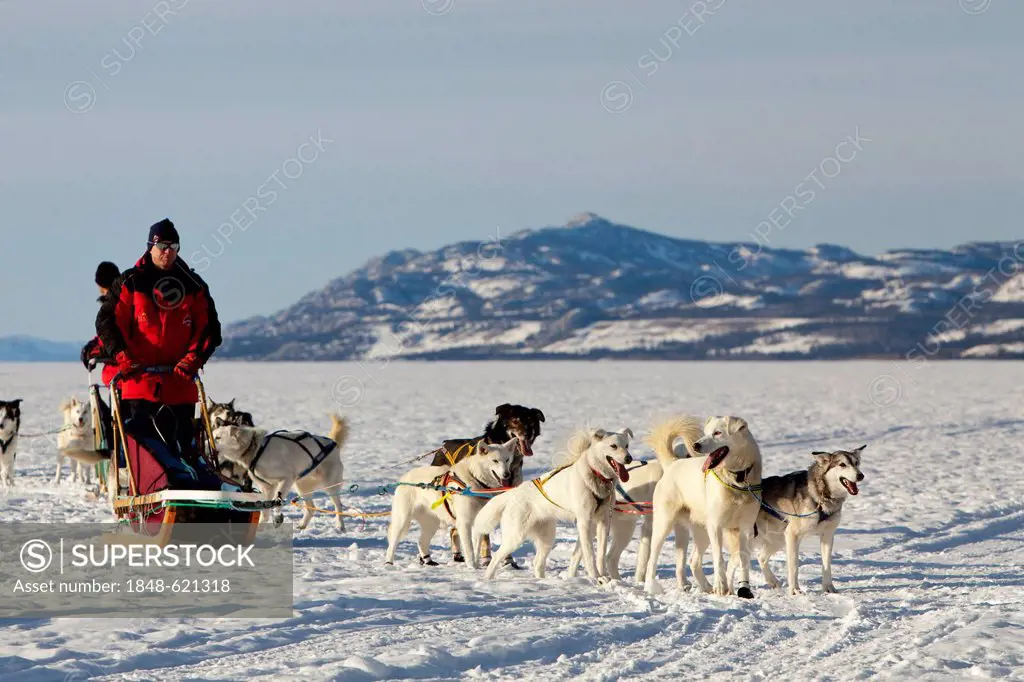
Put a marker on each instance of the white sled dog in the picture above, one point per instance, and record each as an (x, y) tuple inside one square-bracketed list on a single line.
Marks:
[(640, 489), (582, 491), (708, 498), (805, 503), (75, 436), (488, 466), (278, 460)]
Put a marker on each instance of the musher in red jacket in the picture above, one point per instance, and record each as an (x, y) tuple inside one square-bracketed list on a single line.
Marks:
[(160, 313)]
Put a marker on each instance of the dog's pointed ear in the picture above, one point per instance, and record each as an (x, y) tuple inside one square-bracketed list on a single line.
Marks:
[(860, 449), (599, 434), (736, 424), (482, 448), (821, 457), (628, 432), (17, 402), (231, 403), (502, 410), (540, 415)]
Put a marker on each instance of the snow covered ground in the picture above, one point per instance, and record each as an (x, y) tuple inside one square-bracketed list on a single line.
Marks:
[(929, 562)]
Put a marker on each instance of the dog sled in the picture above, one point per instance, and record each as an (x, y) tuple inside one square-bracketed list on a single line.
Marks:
[(155, 485)]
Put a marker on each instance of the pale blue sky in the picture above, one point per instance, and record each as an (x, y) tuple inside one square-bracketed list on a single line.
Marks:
[(446, 126)]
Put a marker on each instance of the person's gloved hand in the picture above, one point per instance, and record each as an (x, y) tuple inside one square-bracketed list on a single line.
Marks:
[(188, 367), (87, 351), (125, 364)]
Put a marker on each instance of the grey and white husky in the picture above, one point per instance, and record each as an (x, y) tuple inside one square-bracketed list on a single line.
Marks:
[(279, 460), (805, 503)]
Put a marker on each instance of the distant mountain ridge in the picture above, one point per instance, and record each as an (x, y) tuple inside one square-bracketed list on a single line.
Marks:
[(31, 349), (593, 288)]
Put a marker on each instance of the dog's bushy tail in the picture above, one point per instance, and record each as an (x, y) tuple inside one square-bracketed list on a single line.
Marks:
[(339, 430), (490, 516), (689, 428), (575, 447)]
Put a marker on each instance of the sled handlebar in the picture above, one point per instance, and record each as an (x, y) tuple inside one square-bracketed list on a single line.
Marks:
[(155, 369)]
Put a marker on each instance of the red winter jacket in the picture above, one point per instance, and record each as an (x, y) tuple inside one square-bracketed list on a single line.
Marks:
[(159, 318)]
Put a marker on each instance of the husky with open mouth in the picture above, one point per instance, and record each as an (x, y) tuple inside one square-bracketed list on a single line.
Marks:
[(805, 503), (487, 467), (582, 491), (710, 497)]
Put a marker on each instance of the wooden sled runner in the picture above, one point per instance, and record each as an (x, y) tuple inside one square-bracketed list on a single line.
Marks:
[(156, 488)]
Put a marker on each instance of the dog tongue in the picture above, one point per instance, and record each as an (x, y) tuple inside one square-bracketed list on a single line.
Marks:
[(620, 471), (525, 447), (715, 458), (851, 487)]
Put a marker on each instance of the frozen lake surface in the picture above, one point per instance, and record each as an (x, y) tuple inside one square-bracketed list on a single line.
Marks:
[(929, 560)]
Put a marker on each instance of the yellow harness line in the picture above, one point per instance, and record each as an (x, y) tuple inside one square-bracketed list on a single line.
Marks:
[(453, 458), (539, 485)]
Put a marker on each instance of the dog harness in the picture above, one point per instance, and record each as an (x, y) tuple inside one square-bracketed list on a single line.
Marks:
[(4, 444), (322, 444), (443, 481), (453, 457), (539, 484), (823, 515)]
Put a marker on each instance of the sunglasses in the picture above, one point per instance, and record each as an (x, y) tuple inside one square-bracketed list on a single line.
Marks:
[(163, 246)]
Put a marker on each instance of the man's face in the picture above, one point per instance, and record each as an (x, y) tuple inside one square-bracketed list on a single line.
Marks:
[(164, 254)]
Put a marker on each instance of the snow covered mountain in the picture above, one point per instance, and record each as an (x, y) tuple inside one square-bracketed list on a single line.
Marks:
[(593, 288), (31, 349)]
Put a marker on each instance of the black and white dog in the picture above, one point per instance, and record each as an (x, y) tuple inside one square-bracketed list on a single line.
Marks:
[(10, 424), (511, 422)]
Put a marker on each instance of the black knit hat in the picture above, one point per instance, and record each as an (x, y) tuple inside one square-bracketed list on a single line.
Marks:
[(106, 273), (163, 231)]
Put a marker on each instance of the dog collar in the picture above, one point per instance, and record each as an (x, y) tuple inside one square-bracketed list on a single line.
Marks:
[(604, 479), (742, 475)]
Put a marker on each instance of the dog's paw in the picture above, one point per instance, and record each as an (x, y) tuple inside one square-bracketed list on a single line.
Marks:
[(829, 589), (458, 558), (795, 591), (773, 582), (652, 587), (603, 580), (427, 561), (721, 589), (745, 593)]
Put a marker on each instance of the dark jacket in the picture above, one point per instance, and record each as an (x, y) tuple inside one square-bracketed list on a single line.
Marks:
[(159, 318)]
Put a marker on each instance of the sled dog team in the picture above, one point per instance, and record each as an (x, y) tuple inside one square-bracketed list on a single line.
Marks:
[(706, 484)]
